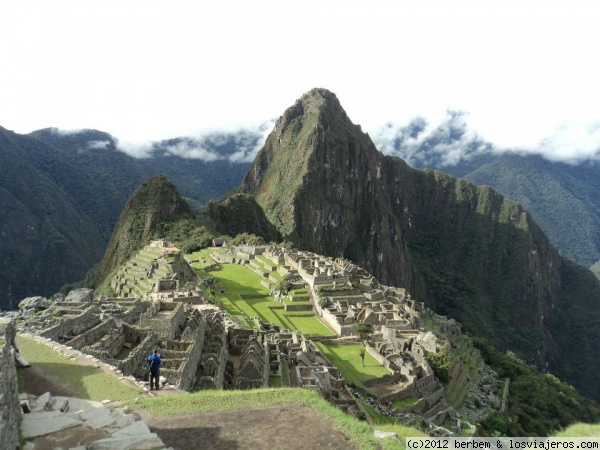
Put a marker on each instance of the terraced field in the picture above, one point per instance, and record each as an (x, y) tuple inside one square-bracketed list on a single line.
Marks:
[(238, 281), (348, 361)]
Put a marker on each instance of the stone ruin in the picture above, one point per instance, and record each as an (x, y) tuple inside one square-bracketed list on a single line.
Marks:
[(9, 400), (203, 349)]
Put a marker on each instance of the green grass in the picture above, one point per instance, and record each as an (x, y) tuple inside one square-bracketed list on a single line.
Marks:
[(237, 279), (86, 382), (405, 402), (348, 361), (580, 430), (360, 433), (275, 382)]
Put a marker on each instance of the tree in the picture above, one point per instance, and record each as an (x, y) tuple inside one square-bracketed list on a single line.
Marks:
[(284, 285), (209, 280), (440, 363), (364, 330), (362, 356)]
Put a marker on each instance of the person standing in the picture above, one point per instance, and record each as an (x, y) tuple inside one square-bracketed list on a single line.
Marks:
[(154, 369)]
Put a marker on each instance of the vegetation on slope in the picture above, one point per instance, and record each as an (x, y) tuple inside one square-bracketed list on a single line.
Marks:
[(537, 404), (564, 199)]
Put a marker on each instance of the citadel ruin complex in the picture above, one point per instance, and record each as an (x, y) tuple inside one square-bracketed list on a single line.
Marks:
[(158, 302)]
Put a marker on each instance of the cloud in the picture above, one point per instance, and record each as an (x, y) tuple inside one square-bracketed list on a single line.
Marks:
[(453, 140), (234, 145), (423, 145), (99, 144), (191, 150), (572, 143), (135, 149), (249, 142)]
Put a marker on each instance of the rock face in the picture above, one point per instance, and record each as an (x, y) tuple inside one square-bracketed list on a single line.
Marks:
[(239, 213), (153, 202), (33, 303), (81, 295), (465, 250)]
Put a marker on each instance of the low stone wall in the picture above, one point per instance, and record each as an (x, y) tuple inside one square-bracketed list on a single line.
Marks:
[(378, 356), (134, 313), (73, 326), (292, 307), (10, 416), (93, 335)]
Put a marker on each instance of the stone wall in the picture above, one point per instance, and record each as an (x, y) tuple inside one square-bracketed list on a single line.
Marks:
[(186, 378), (165, 327), (10, 409), (93, 335), (134, 313), (135, 363), (73, 326)]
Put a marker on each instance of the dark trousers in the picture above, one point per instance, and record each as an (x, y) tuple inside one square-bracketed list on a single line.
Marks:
[(154, 377)]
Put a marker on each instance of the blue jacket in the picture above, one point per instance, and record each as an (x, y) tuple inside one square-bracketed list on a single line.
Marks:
[(155, 367)]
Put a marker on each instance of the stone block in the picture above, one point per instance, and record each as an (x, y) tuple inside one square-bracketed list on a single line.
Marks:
[(45, 422), (146, 442), (97, 418)]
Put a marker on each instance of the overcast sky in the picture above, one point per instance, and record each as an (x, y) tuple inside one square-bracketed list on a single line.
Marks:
[(527, 74)]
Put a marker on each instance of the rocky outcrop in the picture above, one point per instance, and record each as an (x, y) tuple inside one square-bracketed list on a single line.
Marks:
[(239, 213), (33, 303), (96, 425)]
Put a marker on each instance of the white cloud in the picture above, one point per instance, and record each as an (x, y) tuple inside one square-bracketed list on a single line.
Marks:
[(98, 144), (519, 69), (572, 143), (190, 150), (135, 149), (248, 148), (423, 144)]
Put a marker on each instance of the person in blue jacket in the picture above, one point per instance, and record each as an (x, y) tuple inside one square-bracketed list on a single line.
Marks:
[(154, 369)]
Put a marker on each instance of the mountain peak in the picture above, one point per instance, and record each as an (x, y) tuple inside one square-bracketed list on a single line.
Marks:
[(311, 138), (151, 203)]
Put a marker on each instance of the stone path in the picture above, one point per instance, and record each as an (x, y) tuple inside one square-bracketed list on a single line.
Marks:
[(77, 424)]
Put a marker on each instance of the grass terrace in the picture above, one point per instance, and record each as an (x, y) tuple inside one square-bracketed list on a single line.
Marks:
[(86, 381), (239, 280), (348, 361)]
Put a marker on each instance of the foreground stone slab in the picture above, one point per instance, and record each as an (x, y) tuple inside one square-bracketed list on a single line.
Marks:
[(45, 422), (98, 418), (135, 429), (147, 442)]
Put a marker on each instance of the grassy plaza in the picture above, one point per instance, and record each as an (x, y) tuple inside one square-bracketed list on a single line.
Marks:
[(238, 280)]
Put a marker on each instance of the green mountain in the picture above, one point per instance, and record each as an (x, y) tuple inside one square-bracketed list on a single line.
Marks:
[(467, 251), (61, 195), (154, 202), (238, 214), (564, 199)]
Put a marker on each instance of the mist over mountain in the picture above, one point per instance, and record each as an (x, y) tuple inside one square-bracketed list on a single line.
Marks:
[(563, 194), (61, 194)]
